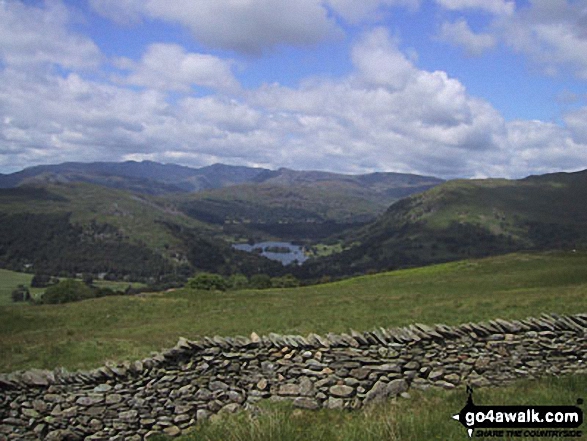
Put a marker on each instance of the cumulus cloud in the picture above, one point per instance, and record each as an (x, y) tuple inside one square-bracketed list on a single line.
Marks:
[(170, 67), (387, 114), (249, 27), (460, 34), (379, 61), (553, 33), (31, 36), (543, 147)]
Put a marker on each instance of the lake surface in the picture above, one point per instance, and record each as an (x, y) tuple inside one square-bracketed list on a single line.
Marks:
[(287, 253)]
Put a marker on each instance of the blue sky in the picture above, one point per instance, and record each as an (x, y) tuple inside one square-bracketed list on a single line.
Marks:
[(452, 88)]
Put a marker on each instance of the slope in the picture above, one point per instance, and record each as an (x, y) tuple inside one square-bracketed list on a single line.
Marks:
[(469, 219), (80, 227), (298, 205), (84, 334), (144, 177)]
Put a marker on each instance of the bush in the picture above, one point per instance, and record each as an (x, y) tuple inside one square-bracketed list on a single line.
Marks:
[(21, 294), (208, 282), (67, 291), (287, 281), (260, 281), (238, 281)]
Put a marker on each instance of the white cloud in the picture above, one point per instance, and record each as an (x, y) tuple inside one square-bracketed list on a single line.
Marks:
[(576, 121), (543, 147), (379, 61), (124, 12), (498, 7), (245, 26), (170, 67), (553, 33), (31, 36), (459, 33), (387, 114)]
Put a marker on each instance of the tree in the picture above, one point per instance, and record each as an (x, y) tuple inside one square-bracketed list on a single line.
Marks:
[(208, 282), (67, 291), (287, 281), (238, 281), (260, 281)]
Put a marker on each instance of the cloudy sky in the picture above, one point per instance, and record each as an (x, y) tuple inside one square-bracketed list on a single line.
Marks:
[(452, 88)]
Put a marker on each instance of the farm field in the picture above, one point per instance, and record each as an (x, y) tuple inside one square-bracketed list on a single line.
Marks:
[(86, 334)]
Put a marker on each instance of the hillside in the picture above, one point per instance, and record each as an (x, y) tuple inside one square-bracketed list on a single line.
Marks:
[(469, 218), (298, 205), (79, 227), (143, 177), (154, 178), (84, 334)]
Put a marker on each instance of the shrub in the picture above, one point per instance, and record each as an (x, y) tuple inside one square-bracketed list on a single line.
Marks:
[(238, 281), (208, 282), (287, 281), (67, 291), (260, 281)]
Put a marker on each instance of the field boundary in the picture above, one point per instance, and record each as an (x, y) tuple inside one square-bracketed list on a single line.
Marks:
[(172, 390)]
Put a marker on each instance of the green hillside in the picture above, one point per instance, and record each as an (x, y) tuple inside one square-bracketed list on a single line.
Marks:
[(79, 227), (291, 205), (469, 218), (87, 333)]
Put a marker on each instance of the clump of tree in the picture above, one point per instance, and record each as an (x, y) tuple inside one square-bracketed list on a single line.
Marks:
[(43, 280), (70, 290), (21, 294), (235, 282), (208, 282), (67, 291)]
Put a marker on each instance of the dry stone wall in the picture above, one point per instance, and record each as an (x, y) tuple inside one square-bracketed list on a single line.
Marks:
[(171, 391)]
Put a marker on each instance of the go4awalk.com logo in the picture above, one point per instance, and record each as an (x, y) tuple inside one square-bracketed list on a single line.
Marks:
[(520, 421)]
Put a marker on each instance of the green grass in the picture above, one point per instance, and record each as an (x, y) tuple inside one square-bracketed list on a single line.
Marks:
[(9, 280), (85, 334), (425, 416), (136, 216)]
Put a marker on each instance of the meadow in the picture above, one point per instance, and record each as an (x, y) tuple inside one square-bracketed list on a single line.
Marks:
[(88, 333)]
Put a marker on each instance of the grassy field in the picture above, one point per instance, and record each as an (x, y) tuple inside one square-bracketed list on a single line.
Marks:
[(424, 416), (9, 280), (86, 334)]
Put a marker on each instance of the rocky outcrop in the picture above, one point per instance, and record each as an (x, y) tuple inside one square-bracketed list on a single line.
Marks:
[(170, 391)]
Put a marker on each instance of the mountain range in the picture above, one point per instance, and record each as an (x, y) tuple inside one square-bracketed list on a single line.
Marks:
[(154, 178), (164, 222), (77, 217)]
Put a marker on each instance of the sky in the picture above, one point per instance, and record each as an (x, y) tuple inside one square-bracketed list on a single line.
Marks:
[(449, 88)]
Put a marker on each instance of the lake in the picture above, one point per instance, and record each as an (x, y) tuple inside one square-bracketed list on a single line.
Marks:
[(285, 252)]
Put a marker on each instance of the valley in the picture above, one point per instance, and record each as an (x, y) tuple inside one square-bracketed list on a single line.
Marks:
[(380, 251)]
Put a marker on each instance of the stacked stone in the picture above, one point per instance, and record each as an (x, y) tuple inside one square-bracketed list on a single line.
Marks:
[(171, 391)]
